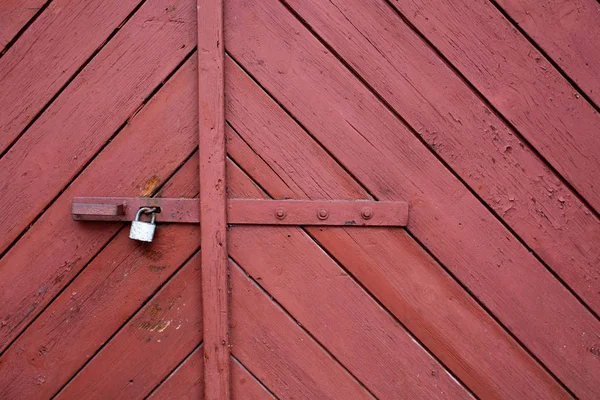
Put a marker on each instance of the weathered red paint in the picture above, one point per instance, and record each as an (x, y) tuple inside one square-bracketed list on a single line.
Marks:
[(186, 382), (461, 129), (248, 211), (81, 120), (369, 140), (313, 317), (14, 15), (519, 82), (388, 262), (213, 200), (568, 31), (49, 53), (25, 288)]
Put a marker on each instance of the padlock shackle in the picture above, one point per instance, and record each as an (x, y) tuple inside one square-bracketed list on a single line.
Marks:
[(146, 210)]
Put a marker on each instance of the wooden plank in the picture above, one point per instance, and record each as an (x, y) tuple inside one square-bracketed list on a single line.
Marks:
[(56, 248), (14, 15), (569, 32), (471, 139), (98, 302), (339, 314), (213, 200), (149, 346), (519, 82), (417, 291), (245, 386), (186, 383), (368, 140), (279, 352), (49, 53), (94, 106)]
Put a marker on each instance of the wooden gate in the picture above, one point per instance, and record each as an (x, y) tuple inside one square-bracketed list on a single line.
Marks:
[(482, 115)]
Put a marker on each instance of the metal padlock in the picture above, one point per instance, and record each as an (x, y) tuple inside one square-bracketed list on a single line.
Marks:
[(140, 230)]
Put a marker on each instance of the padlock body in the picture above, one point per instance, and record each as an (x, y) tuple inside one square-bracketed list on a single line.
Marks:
[(143, 231)]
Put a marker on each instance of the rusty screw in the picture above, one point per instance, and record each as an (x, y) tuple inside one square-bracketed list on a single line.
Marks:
[(323, 214), (280, 213), (366, 213)]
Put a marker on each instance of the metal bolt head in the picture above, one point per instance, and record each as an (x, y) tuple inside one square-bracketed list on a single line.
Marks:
[(280, 213), (366, 212), (322, 214)]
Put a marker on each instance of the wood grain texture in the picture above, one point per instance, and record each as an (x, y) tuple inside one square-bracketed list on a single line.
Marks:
[(56, 248), (97, 303), (462, 130), (368, 140), (339, 314), (186, 382), (149, 346), (14, 15), (334, 309), (388, 262), (519, 82), (279, 352), (97, 103), (213, 200), (568, 31), (48, 53)]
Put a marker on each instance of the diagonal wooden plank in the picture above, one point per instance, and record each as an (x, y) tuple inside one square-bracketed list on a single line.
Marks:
[(14, 16), (359, 131), (334, 309), (49, 53), (279, 352), (568, 31), (430, 304), (519, 82), (94, 106), (56, 248), (85, 315), (150, 345), (186, 382), (473, 141), (213, 200)]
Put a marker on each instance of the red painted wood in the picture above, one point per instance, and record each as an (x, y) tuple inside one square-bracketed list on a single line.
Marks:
[(100, 99), (186, 383), (471, 139), (245, 386), (379, 150), (98, 302), (56, 248), (48, 53), (279, 352), (569, 32), (247, 211), (519, 82), (14, 15), (156, 339), (315, 212), (213, 200), (339, 314), (334, 309), (417, 291)]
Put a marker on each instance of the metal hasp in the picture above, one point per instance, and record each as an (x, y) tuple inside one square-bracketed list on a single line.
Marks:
[(248, 211)]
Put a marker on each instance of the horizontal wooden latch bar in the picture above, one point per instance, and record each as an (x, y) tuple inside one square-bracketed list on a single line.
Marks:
[(248, 211)]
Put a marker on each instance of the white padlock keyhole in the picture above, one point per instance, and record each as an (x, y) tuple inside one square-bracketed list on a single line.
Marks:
[(140, 230)]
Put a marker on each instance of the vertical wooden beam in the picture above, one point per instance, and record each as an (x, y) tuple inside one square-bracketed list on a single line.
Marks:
[(213, 206)]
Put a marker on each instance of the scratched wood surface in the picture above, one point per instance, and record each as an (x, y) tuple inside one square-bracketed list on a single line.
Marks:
[(481, 114), (568, 31)]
